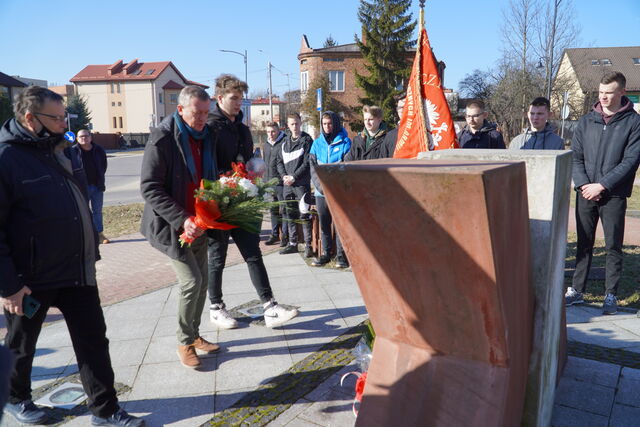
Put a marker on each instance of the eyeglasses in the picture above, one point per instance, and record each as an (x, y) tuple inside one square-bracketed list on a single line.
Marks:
[(51, 116), (474, 116)]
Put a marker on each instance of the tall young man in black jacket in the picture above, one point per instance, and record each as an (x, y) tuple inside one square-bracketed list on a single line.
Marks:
[(606, 153), (234, 144), (48, 252), (279, 230), (292, 163)]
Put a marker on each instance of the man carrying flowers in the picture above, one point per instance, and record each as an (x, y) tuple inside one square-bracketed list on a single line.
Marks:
[(181, 152)]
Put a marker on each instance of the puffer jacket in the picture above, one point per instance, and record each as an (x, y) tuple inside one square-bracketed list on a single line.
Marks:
[(607, 153), (325, 152), (486, 137), (293, 159)]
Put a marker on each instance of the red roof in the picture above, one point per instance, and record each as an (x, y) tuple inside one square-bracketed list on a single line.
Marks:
[(263, 101), (172, 85), (133, 70)]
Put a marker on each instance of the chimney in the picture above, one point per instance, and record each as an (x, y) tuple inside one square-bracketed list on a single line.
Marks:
[(115, 68)]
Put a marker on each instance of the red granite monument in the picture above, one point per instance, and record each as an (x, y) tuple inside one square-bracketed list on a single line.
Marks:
[(440, 250)]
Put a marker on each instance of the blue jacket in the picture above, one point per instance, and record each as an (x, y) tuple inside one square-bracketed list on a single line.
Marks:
[(324, 153)]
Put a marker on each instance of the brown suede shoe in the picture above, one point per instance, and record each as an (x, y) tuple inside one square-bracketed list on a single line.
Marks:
[(188, 356), (205, 346), (103, 239)]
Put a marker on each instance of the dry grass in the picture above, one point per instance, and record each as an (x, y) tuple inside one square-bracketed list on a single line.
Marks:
[(122, 219)]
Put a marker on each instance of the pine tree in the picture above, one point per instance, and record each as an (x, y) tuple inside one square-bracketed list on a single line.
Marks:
[(329, 42), (76, 104), (388, 30)]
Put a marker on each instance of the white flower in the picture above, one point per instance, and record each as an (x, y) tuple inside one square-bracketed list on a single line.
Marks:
[(225, 181), (249, 187)]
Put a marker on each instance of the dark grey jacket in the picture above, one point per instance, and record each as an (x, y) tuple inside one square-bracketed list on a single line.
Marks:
[(163, 184), (607, 154)]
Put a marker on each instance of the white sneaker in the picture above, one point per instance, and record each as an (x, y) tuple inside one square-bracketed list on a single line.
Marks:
[(220, 317), (276, 315)]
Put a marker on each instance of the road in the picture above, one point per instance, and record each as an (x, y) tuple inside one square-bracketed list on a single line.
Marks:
[(123, 178)]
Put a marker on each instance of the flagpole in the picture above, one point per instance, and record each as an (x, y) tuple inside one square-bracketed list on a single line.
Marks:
[(421, 25)]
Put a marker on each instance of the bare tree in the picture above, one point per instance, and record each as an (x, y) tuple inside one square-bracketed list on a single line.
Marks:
[(476, 84)]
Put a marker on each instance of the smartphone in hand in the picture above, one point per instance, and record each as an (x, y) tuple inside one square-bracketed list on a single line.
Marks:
[(30, 306)]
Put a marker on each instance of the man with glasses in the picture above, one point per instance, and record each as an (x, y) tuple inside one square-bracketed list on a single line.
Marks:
[(48, 252), (479, 132), (94, 162)]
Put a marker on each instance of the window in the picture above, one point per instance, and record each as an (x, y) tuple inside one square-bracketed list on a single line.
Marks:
[(118, 87), (595, 62), (336, 81), (160, 98), (112, 86), (136, 72), (636, 61), (304, 81), (119, 104), (149, 72), (115, 123), (606, 61), (161, 118), (113, 104), (332, 59), (120, 121), (173, 98), (303, 61)]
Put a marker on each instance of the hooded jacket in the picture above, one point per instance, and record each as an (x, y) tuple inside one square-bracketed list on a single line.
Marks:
[(233, 139), (377, 149), (270, 152), (43, 239), (328, 148), (486, 137), (546, 139), (100, 159), (293, 159), (163, 184), (607, 153)]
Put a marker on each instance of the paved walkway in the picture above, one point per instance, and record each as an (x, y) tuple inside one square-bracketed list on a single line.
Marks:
[(600, 387)]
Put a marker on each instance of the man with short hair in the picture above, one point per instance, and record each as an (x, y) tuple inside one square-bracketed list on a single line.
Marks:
[(292, 162), (391, 137), (234, 144), (275, 137), (606, 153), (539, 135), (48, 253), (94, 162), (479, 132), (331, 146), (369, 144), (179, 154)]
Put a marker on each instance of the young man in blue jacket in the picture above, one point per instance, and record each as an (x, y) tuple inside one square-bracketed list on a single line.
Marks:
[(606, 152), (330, 147)]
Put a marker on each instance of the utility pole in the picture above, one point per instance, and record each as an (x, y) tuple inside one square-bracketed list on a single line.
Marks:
[(551, 45), (270, 91)]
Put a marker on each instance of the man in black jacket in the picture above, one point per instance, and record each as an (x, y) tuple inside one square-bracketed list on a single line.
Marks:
[(234, 144), (275, 137), (370, 143), (48, 254), (179, 153), (479, 132), (94, 162), (606, 152), (292, 163)]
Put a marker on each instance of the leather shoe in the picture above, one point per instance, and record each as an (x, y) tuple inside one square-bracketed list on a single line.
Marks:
[(205, 346), (103, 239), (284, 242), (341, 262), (188, 356), (308, 251), (272, 240), (320, 261), (290, 249)]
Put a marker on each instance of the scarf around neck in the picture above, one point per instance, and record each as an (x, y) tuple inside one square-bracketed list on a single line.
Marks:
[(209, 169)]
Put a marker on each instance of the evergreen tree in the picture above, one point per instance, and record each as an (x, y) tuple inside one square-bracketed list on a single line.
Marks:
[(6, 109), (309, 102), (330, 42), (76, 104), (388, 30)]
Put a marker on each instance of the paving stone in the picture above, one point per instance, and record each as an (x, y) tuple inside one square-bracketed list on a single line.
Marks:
[(226, 398), (585, 396), (570, 417), (606, 334), (187, 411), (628, 392), (332, 409), (172, 380), (249, 368), (289, 417), (605, 374), (630, 373), (52, 361), (127, 353), (624, 416)]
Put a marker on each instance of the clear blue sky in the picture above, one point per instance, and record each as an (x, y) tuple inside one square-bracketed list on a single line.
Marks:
[(53, 40)]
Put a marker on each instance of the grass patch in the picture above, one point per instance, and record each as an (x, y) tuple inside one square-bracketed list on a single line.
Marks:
[(628, 294), (122, 219)]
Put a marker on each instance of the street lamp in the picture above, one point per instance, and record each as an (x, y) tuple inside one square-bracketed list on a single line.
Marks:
[(244, 55)]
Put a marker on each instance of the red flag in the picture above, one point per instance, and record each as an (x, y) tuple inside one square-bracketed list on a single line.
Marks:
[(426, 122)]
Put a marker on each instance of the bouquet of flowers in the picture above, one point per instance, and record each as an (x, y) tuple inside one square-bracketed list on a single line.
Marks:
[(236, 200)]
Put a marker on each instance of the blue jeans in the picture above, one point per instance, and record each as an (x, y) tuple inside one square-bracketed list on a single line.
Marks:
[(96, 198)]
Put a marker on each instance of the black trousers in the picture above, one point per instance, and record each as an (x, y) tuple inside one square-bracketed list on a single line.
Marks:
[(277, 213), (248, 244), (81, 309), (293, 216), (325, 219), (611, 211)]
